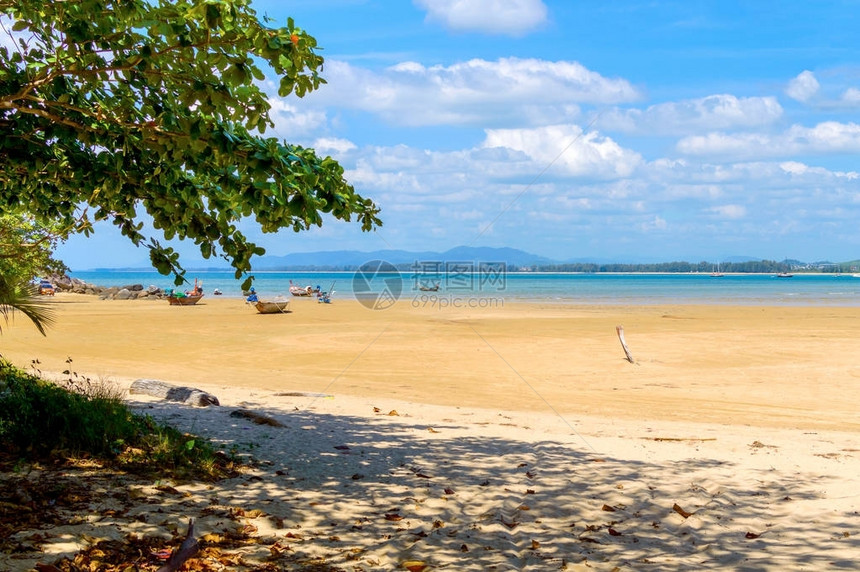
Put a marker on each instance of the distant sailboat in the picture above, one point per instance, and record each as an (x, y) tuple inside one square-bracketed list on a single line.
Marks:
[(785, 273), (716, 273)]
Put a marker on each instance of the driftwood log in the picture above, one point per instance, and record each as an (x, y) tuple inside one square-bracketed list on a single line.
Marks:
[(620, 331), (302, 394), (187, 395), (257, 418)]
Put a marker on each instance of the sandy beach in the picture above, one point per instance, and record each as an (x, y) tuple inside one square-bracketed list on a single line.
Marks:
[(786, 367), (507, 438)]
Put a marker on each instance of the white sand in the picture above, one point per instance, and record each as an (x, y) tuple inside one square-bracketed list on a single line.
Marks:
[(366, 490), (745, 418)]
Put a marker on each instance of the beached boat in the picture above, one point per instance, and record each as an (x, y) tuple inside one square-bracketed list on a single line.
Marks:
[(183, 299), (186, 298), (301, 290), (325, 297), (273, 306)]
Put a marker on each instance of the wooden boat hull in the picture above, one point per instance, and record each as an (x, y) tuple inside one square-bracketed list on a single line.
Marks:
[(279, 307), (305, 291), (183, 300)]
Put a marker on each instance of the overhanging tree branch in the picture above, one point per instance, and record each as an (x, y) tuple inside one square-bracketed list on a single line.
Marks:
[(104, 118)]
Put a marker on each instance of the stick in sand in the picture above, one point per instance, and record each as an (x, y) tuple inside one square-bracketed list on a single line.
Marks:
[(186, 550), (620, 330)]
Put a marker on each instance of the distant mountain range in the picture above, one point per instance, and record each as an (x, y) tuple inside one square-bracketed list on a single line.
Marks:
[(512, 257), (350, 259)]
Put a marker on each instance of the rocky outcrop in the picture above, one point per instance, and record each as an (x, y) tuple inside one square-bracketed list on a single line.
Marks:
[(123, 294), (65, 283)]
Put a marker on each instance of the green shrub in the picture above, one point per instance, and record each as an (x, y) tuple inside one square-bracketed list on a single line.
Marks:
[(40, 419)]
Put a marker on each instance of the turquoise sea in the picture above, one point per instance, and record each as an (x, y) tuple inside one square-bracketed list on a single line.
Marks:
[(494, 287)]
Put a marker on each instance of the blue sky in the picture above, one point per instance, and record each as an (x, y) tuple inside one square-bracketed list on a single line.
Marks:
[(613, 130)]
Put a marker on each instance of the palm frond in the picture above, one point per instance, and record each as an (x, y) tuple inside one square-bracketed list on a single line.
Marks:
[(16, 296)]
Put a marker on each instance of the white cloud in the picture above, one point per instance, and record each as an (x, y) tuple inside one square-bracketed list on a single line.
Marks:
[(720, 111), (723, 144), (420, 188), (713, 179), (826, 137), (567, 149), (509, 91), (383, 179), (657, 223), (422, 184), (851, 96), (292, 123), (732, 212), (794, 168), (591, 193), (803, 87), (503, 17), (798, 169), (837, 93), (335, 145)]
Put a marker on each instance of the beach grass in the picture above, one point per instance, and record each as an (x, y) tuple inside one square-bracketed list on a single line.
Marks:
[(81, 418)]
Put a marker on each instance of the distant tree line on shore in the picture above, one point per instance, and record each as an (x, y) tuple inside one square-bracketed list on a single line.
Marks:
[(747, 267)]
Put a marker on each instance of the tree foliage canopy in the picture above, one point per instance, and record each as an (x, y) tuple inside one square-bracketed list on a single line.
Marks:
[(27, 248), (20, 296), (26, 251), (113, 107)]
